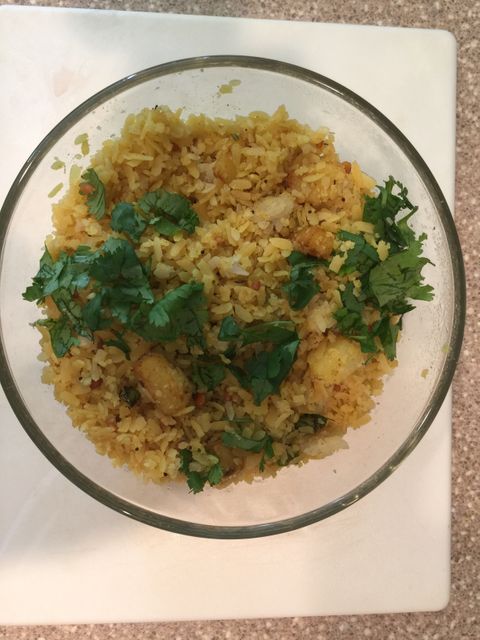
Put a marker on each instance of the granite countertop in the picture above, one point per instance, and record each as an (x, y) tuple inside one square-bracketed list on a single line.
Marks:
[(461, 619)]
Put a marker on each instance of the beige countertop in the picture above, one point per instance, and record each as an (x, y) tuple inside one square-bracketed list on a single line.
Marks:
[(461, 619)]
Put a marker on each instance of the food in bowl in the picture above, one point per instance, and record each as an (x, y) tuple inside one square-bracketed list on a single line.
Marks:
[(223, 297)]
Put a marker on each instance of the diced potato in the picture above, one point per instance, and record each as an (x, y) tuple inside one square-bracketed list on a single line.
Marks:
[(321, 317), (315, 241), (166, 384), (335, 362), (274, 208)]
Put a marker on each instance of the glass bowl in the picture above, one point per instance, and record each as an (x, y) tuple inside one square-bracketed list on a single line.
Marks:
[(431, 338)]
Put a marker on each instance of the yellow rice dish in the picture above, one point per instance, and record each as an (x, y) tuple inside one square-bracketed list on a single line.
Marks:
[(216, 295)]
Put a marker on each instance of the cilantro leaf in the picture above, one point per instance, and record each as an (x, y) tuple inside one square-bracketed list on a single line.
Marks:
[(264, 445), (208, 373), (265, 371), (119, 343), (234, 440), (388, 334), (229, 330), (181, 311), (95, 193), (350, 321), (382, 210), (130, 395), (117, 266), (68, 272), (302, 286), (362, 257), (125, 219), (168, 212), (91, 312), (276, 332), (313, 420), (196, 480), (399, 277), (215, 474), (61, 335)]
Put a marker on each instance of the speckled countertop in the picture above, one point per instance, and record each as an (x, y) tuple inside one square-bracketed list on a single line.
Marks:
[(461, 619)]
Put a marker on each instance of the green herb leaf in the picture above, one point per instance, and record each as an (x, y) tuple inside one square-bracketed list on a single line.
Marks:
[(388, 334), (208, 373), (264, 372), (195, 480), (302, 286), (350, 321), (61, 335), (314, 420), (234, 440), (362, 257), (95, 199), (276, 332), (264, 445), (119, 343), (382, 211), (215, 474), (117, 267), (91, 312), (130, 396), (230, 330), (68, 272), (399, 277), (126, 220), (181, 311), (168, 212)]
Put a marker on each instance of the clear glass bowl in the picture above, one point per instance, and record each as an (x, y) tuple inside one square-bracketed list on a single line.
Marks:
[(432, 333)]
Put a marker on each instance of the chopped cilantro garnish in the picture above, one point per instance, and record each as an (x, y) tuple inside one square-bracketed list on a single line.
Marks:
[(362, 257), (181, 311), (120, 292), (302, 286), (387, 286), (196, 480), (236, 441), (399, 277), (388, 332), (93, 188), (168, 212), (119, 343), (263, 445), (382, 210), (276, 332), (263, 374), (313, 420), (208, 373), (130, 396), (125, 219), (350, 321), (61, 335)]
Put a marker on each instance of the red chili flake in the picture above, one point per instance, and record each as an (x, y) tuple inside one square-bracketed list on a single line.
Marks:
[(86, 188), (255, 285), (347, 167), (199, 399), (94, 384), (227, 397)]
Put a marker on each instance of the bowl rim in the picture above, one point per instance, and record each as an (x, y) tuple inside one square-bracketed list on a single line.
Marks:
[(459, 294)]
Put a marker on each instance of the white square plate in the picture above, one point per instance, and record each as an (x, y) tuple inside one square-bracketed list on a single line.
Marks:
[(66, 559)]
